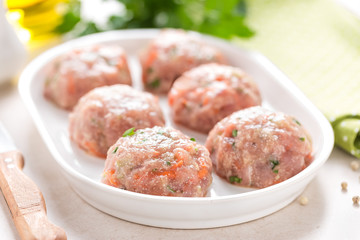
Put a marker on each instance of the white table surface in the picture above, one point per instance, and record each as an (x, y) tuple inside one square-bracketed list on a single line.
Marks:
[(330, 213)]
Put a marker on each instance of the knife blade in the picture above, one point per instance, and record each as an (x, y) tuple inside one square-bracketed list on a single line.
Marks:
[(24, 199)]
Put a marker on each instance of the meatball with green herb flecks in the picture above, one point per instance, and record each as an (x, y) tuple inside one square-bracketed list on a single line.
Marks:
[(206, 94), (256, 147), (76, 72), (104, 113), (170, 54), (158, 161)]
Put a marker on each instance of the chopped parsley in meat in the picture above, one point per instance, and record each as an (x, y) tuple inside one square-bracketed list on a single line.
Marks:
[(273, 164), (296, 121), (234, 132), (235, 179), (129, 132), (170, 189), (155, 83), (115, 150)]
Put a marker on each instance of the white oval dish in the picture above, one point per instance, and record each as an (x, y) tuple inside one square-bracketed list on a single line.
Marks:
[(226, 204)]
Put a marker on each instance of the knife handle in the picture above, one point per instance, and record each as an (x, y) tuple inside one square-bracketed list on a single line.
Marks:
[(25, 200)]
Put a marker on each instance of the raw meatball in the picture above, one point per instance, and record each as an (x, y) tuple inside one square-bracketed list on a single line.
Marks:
[(172, 53), (159, 161), (256, 147), (206, 94), (103, 114), (76, 72)]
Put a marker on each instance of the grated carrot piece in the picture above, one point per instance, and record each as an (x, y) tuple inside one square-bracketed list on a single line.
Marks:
[(219, 78), (203, 172), (177, 164), (111, 177), (151, 57), (171, 99), (136, 176), (70, 85), (205, 100), (189, 148)]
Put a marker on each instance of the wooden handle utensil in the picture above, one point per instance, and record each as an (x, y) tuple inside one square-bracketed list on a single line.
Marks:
[(25, 200)]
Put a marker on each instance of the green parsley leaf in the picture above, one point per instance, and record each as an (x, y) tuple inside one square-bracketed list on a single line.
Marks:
[(170, 189), (155, 83), (168, 163), (90, 28), (150, 70), (116, 22), (296, 121), (193, 139), (234, 179), (223, 19), (115, 150), (70, 18), (274, 163), (234, 132), (129, 132), (302, 139)]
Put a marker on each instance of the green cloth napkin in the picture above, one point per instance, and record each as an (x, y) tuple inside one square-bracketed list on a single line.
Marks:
[(317, 44)]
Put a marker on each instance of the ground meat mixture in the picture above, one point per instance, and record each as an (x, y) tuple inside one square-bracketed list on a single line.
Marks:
[(206, 94), (159, 161), (76, 72), (103, 114), (172, 53), (256, 147)]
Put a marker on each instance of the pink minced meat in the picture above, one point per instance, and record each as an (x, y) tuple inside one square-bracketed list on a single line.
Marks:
[(172, 53), (159, 161), (206, 94), (78, 71), (103, 114), (256, 147)]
